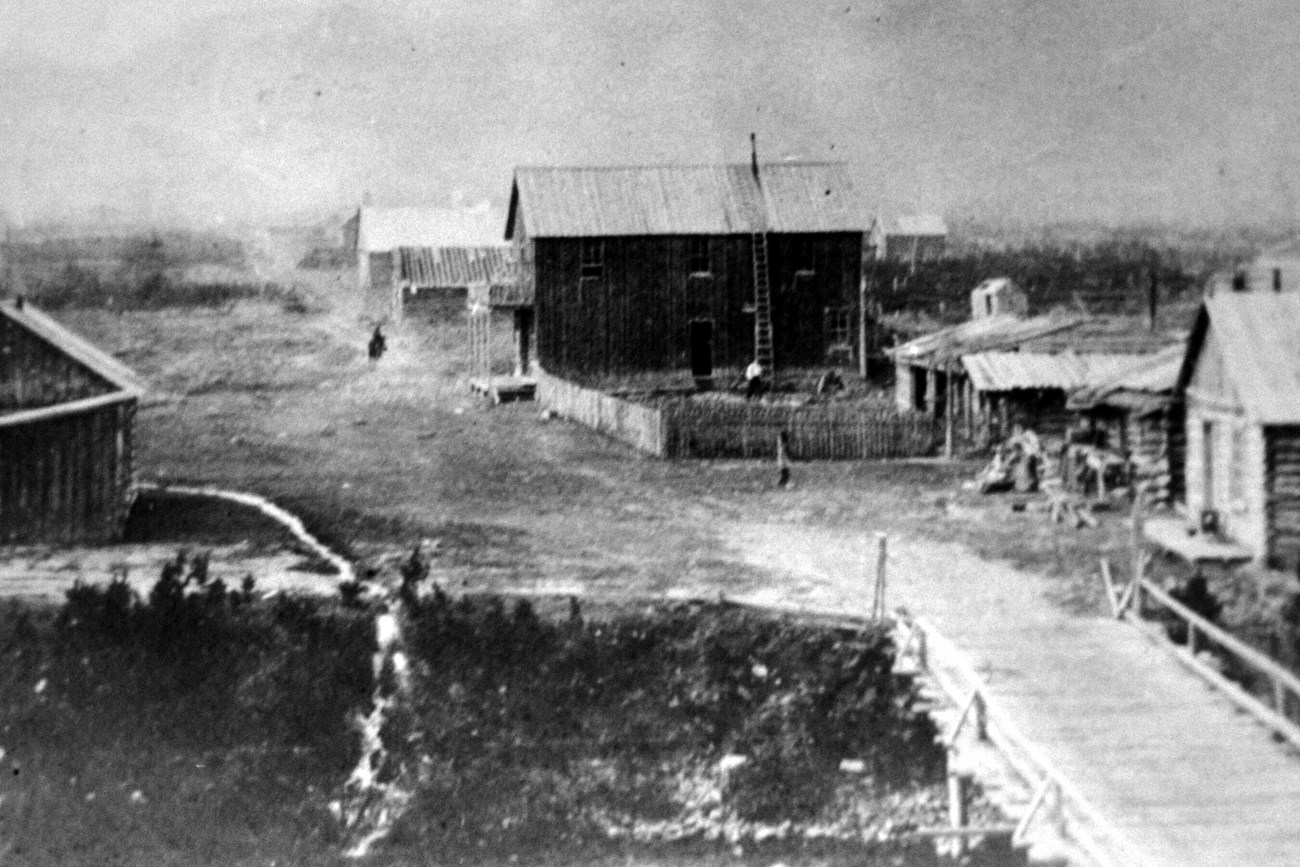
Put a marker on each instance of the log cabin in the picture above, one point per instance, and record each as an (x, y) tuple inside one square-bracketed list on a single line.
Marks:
[(637, 269), (1240, 387), (67, 411)]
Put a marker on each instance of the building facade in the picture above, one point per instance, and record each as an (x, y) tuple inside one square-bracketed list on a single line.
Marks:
[(67, 414), (648, 269), (1240, 388)]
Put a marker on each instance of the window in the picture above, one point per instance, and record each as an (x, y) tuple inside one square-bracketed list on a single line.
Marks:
[(697, 256), (593, 257), (1277, 279), (839, 326)]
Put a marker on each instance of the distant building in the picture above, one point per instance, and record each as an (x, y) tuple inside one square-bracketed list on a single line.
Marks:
[(1000, 366), (377, 235), (67, 412), (662, 268), (1276, 269), (998, 297), (1240, 385), (919, 238)]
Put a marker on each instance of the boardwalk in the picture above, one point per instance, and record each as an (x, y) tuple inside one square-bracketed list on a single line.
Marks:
[(1170, 763)]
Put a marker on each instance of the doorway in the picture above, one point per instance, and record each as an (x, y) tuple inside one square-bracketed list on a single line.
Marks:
[(701, 344)]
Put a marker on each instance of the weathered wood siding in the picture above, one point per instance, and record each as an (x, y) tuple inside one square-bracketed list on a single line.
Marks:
[(636, 315), (1233, 483), (69, 478), (1282, 496), (33, 373)]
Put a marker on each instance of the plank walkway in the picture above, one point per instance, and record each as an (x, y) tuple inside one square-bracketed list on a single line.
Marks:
[(1167, 761)]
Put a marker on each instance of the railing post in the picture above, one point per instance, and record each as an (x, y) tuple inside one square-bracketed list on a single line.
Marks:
[(1191, 638), (922, 657), (1135, 532), (981, 717), (956, 806)]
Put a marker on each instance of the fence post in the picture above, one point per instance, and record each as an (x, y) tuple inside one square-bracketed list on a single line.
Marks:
[(878, 597), (956, 805)]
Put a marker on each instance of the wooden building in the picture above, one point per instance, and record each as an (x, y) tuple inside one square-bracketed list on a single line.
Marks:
[(66, 416), (433, 281), (376, 237), (1240, 386), (669, 268), (1001, 366), (918, 238), (1136, 410)]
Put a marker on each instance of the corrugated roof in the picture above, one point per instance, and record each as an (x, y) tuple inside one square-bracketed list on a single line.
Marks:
[(382, 229), (75, 347), (610, 201), (1259, 334), (1010, 371), (450, 267), (982, 335), (917, 224)]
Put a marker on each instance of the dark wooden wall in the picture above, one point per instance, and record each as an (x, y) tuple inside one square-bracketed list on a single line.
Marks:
[(635, 317), (33, 373), (1282, 496), (67, 479)]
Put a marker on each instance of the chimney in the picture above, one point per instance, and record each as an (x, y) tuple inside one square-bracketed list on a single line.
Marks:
[(753, 157)]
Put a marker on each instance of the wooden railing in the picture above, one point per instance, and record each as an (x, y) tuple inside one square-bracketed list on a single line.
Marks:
[(1129, 602), (1079, 821)]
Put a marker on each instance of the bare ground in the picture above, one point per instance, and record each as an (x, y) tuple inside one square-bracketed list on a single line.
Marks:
[(378, 456)]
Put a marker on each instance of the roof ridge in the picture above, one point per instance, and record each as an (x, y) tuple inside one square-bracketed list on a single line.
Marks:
[(633, 166)]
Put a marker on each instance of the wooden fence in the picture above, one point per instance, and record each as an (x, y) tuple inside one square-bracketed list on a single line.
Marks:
[(696, 429), (638, 425), (685, 428)]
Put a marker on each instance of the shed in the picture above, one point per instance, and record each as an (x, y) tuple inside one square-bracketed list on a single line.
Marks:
[(67, 411), (913, 238), (433, 278), (1035, 386), (1136, 409), (378, 234), (1240, 384), (654, 269)]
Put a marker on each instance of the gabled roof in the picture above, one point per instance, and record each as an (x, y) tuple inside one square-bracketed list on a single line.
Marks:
[(77, 348), (380, 229), (982, 335), (915, 224), (576, 201), (1012, 371), (1259, 335), (452, 267)]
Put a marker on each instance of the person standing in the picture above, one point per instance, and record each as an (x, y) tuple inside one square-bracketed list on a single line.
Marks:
[(782, 459), (378, 344), (753, 379)]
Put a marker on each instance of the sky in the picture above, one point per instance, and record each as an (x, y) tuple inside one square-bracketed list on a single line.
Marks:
[(1177, 112)]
